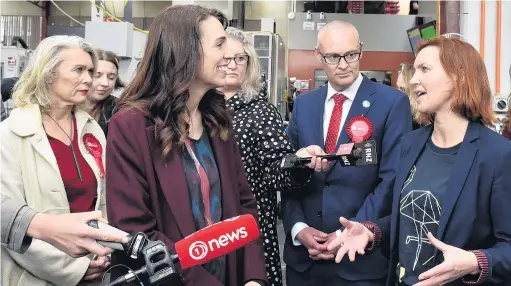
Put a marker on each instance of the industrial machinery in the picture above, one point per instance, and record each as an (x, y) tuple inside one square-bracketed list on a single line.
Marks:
[(272, 57), (501, 103), (121, 39), (14, 58)]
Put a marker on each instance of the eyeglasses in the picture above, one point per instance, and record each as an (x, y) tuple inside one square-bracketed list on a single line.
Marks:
[(334, 59), (239, 59)]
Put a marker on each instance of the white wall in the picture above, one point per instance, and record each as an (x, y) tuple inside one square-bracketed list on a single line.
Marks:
[(505, 49), (83, 8), (276, 9), (18, 8), (470, 27), (223, 6)]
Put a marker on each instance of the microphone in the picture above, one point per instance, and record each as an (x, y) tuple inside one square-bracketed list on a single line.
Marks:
[(198, 248), (358, 154), (291, 161), (216, 240), (361, 152)]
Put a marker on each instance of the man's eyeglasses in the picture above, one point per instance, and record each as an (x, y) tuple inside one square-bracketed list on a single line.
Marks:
[(239, 59), (334, 59)]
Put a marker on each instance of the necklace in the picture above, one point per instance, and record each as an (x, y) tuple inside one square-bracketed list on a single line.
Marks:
[(78, 170)]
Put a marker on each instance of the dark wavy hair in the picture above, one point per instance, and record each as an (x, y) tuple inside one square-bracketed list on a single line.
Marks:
[(171, 60)]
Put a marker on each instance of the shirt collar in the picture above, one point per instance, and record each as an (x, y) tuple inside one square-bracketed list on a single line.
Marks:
[(350, 92)]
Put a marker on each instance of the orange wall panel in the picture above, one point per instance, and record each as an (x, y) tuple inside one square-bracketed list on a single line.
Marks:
[(303, 63)]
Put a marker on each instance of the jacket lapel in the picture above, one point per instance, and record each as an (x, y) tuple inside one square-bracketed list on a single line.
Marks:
[(82, 119), (27, 122), (226, 177), (173, 184), (460, 170), (406, 163), (42, 146), (317, 117), (364, 93)]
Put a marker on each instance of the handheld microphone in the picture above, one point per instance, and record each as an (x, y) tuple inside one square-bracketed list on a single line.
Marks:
[(351, 154), (292, 161), (198, 248), (216, 240), (358, 154), (106, 227)]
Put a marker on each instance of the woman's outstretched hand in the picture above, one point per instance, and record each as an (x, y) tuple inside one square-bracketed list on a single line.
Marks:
[(354, 239)]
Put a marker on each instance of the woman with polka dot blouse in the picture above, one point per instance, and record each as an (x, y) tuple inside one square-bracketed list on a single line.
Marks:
[(262, 141)]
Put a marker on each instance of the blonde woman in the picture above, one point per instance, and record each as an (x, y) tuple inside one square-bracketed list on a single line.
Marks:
[(403, 83), (52, 158), (262, 141)]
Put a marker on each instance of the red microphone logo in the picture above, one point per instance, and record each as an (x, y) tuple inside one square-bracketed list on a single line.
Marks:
[(198, 250), (216, 240)]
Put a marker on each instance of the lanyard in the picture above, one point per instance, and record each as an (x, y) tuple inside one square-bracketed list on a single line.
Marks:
[(204, 186)]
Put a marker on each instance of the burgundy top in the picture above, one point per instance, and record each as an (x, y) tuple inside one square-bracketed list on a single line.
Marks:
[(506, 133), (81, 195)]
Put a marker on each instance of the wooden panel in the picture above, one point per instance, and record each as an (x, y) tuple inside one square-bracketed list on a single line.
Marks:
[(303, 63)]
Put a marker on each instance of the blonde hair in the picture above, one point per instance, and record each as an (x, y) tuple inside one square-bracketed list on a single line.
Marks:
[(407, 71), (32, 86), (252, 83)]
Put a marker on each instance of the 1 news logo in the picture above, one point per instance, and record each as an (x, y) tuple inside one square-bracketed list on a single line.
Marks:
[(198, 250)]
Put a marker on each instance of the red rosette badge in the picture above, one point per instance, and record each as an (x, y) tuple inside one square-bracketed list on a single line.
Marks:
[(94, 148), (359, 129)]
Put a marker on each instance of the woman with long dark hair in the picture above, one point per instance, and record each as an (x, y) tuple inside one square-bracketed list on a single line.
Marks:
[(175, 164), (100, 101)]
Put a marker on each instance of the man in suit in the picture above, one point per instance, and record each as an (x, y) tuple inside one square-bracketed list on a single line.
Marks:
[(320, 117)]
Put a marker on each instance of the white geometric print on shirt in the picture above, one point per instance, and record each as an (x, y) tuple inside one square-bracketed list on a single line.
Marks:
[(423, 208), (410, 177)]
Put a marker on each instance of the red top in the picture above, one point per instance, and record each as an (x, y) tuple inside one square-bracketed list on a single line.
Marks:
[(81, 195), (506, 133)]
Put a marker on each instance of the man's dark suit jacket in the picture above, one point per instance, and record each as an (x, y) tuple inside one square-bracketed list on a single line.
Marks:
[(357, 192)]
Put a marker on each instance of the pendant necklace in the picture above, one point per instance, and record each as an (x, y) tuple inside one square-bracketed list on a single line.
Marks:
[(78, 170)]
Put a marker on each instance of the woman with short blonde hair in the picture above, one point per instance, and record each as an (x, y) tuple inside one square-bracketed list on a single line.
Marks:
[(406, 71), (262, 141), (52, 158), (251, 84)]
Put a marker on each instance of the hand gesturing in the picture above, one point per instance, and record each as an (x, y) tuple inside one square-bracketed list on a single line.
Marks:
[(457, 263), (353, 240)]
